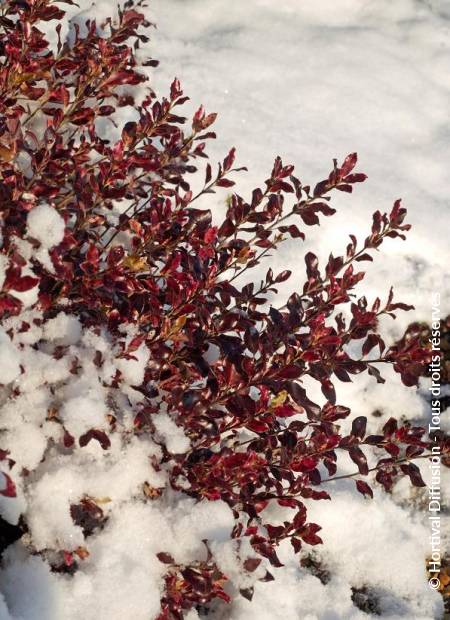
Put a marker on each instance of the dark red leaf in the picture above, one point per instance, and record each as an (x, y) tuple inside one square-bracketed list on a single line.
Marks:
[(24, 283), (364, 488), (359, 427), (251, 564), (165, 558), (100, 436), (358, 457), (348, 164)]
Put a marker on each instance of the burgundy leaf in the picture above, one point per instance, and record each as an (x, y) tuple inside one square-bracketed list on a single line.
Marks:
[(100, 436), (358, 457), (364, 488), (359, 425)]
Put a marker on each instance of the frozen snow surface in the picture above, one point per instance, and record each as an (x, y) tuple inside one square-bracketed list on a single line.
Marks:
[(308, 80)]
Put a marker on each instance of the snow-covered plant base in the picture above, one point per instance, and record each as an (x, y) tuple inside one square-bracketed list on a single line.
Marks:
[(170, 434), (97, 519)]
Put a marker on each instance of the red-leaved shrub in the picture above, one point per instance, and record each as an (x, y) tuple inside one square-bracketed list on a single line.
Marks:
[(109, 235)]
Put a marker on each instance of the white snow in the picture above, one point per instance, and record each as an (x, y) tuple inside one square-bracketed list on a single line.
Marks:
[(3, 482), (309, 81), (9, 359), (46, 225), (172, 435), (133, 368), (63, 329), (83, 413), (4, 264), (315, 80)]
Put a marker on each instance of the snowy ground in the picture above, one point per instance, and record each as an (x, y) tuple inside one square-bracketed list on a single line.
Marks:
[(315, 80), (309, 80)]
